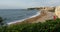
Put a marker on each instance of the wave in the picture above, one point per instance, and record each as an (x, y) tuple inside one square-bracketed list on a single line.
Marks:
[(13, 22)]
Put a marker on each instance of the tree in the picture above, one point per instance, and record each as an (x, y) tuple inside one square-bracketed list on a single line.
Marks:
[(1, 21)]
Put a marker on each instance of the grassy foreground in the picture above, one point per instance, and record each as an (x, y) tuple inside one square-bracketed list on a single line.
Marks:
[(48, 26)]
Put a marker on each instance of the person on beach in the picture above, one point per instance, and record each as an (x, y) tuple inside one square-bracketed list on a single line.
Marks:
[(55, 17)]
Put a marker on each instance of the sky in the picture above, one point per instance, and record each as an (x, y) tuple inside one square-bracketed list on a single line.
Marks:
[(18, 4)]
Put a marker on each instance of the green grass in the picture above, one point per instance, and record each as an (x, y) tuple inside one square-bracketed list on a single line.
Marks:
[(48, 26)]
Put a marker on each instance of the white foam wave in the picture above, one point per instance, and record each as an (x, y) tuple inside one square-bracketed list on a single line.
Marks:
[(38, 13)]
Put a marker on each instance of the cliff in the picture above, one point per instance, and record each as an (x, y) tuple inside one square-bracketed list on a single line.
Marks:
[(51, 9), (57, 11)]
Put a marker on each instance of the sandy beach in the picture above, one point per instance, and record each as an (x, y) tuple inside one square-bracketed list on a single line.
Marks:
[(42, 17)]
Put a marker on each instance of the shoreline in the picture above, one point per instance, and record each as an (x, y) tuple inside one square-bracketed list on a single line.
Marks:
[(41, 16), (45, 15), (18, 21)]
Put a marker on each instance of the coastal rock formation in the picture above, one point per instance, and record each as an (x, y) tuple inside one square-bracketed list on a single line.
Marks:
[(51, 9), (57, 11)]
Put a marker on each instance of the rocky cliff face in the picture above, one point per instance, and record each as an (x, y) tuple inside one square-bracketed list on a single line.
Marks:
[(57, 11), (51, 9)]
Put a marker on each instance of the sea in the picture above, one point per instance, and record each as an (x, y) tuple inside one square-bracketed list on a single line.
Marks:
[(12, 15)]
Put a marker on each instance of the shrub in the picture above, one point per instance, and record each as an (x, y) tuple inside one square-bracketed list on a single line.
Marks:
[(48, 26)]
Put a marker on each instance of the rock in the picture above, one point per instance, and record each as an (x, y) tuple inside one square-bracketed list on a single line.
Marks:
[(57, 11)]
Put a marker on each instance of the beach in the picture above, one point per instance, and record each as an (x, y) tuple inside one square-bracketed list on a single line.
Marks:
[(45, 15), (39, 17)]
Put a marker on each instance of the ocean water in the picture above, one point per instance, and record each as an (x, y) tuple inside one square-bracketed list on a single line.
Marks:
[(10, 15)]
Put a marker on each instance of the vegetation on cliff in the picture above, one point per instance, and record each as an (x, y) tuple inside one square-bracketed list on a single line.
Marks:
[(1, 21), (48, 26)]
